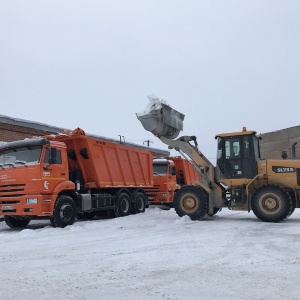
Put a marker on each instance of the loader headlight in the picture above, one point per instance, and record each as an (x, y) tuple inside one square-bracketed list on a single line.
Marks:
[(31, 200)]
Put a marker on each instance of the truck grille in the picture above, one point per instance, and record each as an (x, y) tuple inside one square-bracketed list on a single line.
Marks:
[(12, 190), (152, 191)]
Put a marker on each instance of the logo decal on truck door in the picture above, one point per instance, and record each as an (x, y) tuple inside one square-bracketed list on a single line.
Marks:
[(46, 185)]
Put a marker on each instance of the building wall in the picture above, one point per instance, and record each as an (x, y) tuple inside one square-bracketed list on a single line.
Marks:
[(9, 133), (273, 143)]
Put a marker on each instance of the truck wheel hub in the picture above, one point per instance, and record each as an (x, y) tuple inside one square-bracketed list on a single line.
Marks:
[(66, 212)]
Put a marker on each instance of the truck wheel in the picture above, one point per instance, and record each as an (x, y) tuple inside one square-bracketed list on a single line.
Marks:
[(86, 215), (124, 204), (191, 201), (139, 202), (64, 212), (16, 222), (111, 213), (271, 203)]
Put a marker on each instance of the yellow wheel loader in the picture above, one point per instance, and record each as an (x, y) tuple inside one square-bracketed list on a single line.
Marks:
[(241, 180)]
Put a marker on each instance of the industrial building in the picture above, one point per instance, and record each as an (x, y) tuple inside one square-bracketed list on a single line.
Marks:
[(12, 129)]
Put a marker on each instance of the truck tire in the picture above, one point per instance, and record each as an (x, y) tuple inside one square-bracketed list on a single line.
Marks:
[(271, 203), (138, 202), (191, 201), (111, 213), (124, 204), (86, 215), (64, 212), (16, 222)]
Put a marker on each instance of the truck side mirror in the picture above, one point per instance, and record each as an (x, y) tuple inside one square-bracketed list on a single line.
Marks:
[(173, 171), (53, 155)]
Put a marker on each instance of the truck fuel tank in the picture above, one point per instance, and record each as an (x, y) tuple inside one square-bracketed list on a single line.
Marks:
[(160, 119)]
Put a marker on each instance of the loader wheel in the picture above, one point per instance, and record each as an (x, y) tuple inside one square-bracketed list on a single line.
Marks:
[(191, 201), (64, 212), (216, 210), (294, 204), (16, 222), (124, 204), (139, 202), (271, 203)]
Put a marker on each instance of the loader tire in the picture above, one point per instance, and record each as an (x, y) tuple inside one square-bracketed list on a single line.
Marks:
[(271, 203), (138, 203), (294, 204), (64, 212), (191, 201), (16, 222)]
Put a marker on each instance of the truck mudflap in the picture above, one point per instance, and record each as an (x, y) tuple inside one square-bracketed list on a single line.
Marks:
[(160, 119)]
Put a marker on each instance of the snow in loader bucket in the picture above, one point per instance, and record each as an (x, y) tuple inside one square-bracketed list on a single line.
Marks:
[(161, 119)]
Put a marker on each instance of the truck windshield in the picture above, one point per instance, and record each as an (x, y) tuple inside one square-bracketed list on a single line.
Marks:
[(22, 156), (160, 168)]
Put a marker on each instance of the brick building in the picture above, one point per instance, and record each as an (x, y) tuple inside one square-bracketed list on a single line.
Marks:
[(12, 129)]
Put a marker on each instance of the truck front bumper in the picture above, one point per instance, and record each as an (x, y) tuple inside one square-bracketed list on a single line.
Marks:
[(27, 205)]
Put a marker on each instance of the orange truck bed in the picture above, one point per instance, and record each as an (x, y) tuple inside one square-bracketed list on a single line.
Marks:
[(106, 164)]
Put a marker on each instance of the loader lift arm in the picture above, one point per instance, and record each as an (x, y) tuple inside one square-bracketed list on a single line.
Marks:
[(166, 123)]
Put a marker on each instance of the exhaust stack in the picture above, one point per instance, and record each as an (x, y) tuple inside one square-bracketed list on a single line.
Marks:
[(160, 119)]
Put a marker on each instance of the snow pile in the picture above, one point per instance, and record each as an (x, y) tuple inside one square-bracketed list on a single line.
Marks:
[(155, 255)]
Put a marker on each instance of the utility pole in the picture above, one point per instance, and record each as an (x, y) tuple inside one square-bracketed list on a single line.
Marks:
[(122, 136), (147, 142)]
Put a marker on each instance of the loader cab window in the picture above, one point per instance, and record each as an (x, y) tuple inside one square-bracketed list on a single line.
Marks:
[(236, 157)]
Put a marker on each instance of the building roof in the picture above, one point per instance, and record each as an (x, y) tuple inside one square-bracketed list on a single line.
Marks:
[(54, 129)]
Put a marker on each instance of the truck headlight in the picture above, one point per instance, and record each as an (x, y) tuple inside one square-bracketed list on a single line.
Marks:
[(31, 200)]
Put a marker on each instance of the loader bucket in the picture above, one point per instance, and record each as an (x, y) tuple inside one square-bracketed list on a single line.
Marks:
[(162, 120)]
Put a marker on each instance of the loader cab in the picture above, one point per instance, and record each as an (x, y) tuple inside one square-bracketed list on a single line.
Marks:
[(237, 155)]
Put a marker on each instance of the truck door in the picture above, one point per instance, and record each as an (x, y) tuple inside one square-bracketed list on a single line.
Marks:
[(54, 171)]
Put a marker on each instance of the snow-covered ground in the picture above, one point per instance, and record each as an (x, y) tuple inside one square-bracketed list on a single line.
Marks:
[(155, 255)]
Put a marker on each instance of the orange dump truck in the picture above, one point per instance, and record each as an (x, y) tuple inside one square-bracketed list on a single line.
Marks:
[(169, 175), (71, 175)]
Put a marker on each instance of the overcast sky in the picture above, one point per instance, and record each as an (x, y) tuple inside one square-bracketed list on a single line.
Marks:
[(91, 64)]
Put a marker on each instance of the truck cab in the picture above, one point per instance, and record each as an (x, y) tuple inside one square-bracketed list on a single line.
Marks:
[(165, 181), (32, 173)]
